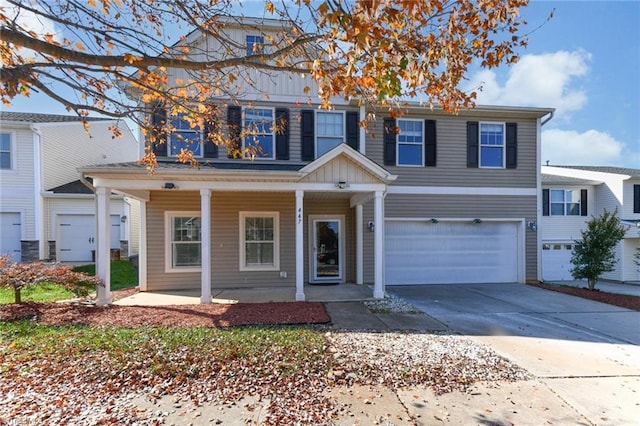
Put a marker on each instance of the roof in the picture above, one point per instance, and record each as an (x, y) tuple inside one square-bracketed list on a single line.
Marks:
[(605, 169), (75, 187), (565, 180), (170, 165), (32, 117)]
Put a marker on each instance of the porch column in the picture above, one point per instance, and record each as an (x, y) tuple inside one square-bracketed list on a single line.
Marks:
[(299, 247), (205, 241), (378, 217), (142, 255), (359, 246), (103, 252)]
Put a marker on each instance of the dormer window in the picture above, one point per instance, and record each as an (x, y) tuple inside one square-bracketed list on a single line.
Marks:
[(255, 45), (183, 136)]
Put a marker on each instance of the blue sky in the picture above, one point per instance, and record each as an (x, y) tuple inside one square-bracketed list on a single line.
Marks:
[(585, 62)]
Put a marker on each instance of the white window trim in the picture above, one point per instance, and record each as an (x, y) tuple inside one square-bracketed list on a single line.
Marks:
[(315, 130), (12, 153), (171, 131), (276, 241), (273, 133), (410, 143), (168, 216), (504, 144), (246, 44), (564, 202)]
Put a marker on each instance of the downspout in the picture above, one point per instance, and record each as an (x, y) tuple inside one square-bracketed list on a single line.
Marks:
[(37, 193), (538, 192)]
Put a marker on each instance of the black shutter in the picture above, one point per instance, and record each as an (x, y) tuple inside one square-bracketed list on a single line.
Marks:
[(389, 141), (282, 134), (353, 130), (307, 135), (472, 143), (159, 130), (430, 143), (210, 147), (512, 145), (583, 202), (636, 198), (234, 121), (545, 202)]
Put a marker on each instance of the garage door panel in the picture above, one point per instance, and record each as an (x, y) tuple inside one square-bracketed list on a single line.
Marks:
[(420, 252), (556, 261), (10, 235), (77, 236)]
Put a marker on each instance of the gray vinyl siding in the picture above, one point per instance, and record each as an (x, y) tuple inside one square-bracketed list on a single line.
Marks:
[(456, 206), (451, 169)]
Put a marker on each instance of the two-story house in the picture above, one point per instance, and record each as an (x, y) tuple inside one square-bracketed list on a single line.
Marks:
[(571, 196), (46, 212), (429, 197)]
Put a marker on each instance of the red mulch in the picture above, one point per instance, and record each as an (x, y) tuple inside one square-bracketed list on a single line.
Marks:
[(211, 315), (622, 300)]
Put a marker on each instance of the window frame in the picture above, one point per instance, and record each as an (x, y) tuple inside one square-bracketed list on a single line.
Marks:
[(503, 146), (249, 50), (317, 133), (12, 152), (273, 132), (172, 129), (422, 143), (242, 216), (168, 242), (564, 203)]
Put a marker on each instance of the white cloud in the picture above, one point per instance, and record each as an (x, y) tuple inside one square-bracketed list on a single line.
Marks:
[(537, 80), (29, 21), (592, 148)]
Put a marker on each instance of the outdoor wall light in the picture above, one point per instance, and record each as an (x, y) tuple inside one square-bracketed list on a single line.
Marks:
[(372, 226), (532, 225), (477, 220), (341, 185), (123, 219), (434, 220), (169, 185)]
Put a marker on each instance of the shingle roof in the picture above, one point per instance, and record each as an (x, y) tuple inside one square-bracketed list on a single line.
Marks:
[(32, 117), (75, 187), (606, 169), (556, 179)]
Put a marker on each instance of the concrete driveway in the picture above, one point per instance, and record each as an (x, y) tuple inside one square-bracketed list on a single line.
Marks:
[(587, 352)]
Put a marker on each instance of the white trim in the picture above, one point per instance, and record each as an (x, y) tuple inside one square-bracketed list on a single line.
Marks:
[(312, 219), (37, 190), (378, 238), (300, 297), (461, 190), (205, 244), (168, 267), (504, 144), (103, 247), (359, 244), (13, 153), (276, 240), (422, 144), (273, 133), (142, 253), (315, 130), (539, 200)]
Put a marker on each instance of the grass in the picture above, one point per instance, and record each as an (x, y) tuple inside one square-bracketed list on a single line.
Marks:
[(123, 275)]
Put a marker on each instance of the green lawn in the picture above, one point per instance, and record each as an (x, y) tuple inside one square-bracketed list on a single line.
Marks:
[(123, 275)]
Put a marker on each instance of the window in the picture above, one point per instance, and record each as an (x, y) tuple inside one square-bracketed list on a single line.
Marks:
[(410, 143), (183, 135), (5, 151), (255, 45), (492, 145), (259, 241), (259, 141), (183, 248), (564, 202), (329, 131)]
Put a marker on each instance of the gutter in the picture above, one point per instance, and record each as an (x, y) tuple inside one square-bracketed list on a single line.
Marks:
[(83, 179), (545, 121)]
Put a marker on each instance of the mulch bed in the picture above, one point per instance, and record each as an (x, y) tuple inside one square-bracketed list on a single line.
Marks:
[(211, 315), (621, 300)]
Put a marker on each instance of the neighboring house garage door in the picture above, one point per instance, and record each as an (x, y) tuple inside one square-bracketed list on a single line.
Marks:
[(77, 236), (420, 252), (10, 234), (556, 261)]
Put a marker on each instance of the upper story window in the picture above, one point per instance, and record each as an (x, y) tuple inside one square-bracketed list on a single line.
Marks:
[(5, 151), (330, 131), (410, 143), (260, 133), (184, 136), (492, 145), (183, 241), (255, 45), (564, 202)]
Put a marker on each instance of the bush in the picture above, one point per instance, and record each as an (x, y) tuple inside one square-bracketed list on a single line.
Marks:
[(17, 276)]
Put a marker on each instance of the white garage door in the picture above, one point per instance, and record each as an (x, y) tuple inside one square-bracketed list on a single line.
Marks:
[(10, 235), (556, 261), (77, 236), (420, 252)]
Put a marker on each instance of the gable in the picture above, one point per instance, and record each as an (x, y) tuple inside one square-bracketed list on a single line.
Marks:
[(341, 169)]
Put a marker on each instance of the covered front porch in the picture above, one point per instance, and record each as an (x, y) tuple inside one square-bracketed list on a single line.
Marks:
[(225, 197)]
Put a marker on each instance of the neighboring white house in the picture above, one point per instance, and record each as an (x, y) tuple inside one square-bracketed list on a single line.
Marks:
[(571, 195), (46, 212)]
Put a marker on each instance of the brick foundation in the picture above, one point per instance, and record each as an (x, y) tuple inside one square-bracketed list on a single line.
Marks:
[(30, 250)]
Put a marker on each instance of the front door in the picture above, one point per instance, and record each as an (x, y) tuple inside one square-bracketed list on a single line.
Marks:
[(327, 248)]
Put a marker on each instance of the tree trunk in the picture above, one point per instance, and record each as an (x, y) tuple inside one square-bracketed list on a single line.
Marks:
[(592, 283), (16, 295)]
